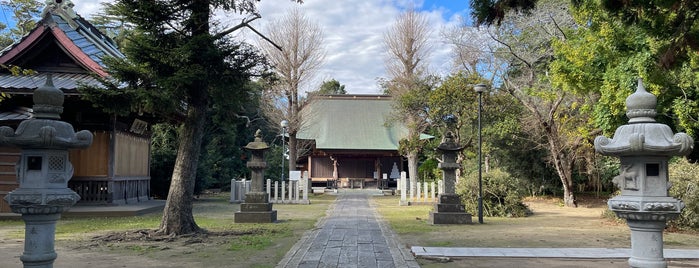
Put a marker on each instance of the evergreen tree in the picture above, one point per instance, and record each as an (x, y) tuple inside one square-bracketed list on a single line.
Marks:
[(178, 69)]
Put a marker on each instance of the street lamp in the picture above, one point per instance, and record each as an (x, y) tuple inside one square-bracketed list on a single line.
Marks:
[(480, 88), (284, 124)]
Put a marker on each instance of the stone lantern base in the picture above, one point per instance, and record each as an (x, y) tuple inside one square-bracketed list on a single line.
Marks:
[(256, 209), (449, 210), (646, 217)]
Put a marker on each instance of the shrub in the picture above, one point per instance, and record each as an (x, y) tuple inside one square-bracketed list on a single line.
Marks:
[(684, 177), (502, 194)]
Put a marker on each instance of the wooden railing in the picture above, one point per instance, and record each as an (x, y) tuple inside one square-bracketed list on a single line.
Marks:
[(119, 191)]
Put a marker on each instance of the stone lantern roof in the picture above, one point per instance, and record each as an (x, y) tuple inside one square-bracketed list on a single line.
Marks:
[(46, 131), (258, 144), (449, 145), (643, 135)]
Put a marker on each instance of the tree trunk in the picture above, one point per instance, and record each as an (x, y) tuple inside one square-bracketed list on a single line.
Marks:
[(293, 142), (177, 215), (564, 168), (569, 197), (412, 170)]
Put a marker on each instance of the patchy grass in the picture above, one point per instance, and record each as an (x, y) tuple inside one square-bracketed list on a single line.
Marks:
[(226, 243), (72, 228), (550, 226)]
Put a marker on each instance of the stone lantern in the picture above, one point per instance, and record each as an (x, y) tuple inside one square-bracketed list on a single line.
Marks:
[(644, 148), (449, 209), (43, 172), (256, 208)]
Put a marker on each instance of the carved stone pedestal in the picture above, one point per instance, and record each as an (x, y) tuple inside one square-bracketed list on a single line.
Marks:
[(647, 244), (449, 210), (256, 209)]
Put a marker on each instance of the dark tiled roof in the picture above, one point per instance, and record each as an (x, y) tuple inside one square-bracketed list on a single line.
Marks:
[(19, 113), (77, 36), (27, 83), (90, 40)]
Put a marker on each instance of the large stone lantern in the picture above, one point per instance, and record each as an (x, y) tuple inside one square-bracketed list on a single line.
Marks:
[(43, 172), (256, 208), (644, 148), (449, 209)]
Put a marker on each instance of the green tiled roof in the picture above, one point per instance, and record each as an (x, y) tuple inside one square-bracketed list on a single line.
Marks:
[(351, 122)]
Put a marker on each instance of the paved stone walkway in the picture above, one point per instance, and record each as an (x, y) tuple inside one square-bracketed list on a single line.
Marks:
[(351, 235)]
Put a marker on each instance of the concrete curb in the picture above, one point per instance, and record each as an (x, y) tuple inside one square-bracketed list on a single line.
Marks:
[(568, 253)]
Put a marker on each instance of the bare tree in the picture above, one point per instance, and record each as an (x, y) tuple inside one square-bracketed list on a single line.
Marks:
[(554, 115), (473, 50), (299, 54), (408, 47)]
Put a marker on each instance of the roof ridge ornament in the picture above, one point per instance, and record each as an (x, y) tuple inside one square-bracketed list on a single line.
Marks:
[(62, 8)]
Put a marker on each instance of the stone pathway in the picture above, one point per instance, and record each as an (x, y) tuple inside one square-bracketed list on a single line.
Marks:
[(351, 235)]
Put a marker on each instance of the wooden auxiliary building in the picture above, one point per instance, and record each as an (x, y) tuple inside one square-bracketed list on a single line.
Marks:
[(115, 168)]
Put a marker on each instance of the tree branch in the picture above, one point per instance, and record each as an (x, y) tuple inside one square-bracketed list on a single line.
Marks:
[(242, 24), (265, 38), (512, 52)]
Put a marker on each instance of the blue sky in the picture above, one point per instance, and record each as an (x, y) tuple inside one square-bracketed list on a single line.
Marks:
[(353, 34), (449, 7)]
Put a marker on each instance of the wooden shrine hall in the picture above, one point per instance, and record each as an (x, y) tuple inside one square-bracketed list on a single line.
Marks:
[(354, 142)]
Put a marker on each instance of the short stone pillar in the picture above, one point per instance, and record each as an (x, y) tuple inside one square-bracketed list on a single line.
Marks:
[(256, 208), (644, 148), (449, 209), (43, 172)]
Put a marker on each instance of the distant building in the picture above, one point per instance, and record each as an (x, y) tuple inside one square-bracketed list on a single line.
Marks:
[(115, 169), (353, 139)]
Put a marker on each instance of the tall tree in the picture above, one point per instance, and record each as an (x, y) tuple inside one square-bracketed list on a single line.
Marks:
[(408, 47), (25, 14), (109, 21), (295, 60), (675, 21), (177, 67), (556, 116)]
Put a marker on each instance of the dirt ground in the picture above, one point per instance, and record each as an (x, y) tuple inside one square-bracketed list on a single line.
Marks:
[(550, 226)]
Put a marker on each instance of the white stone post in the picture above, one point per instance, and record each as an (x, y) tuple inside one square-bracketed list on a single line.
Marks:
[(417, 196), (433, 194), (398, 183), (306, 182), (276, 190), (296, 189), (283, 190), (424, 197), (233, 198), (269, 187)]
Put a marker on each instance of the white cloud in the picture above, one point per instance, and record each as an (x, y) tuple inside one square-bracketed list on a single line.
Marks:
[(353, 35), (86, 8)]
